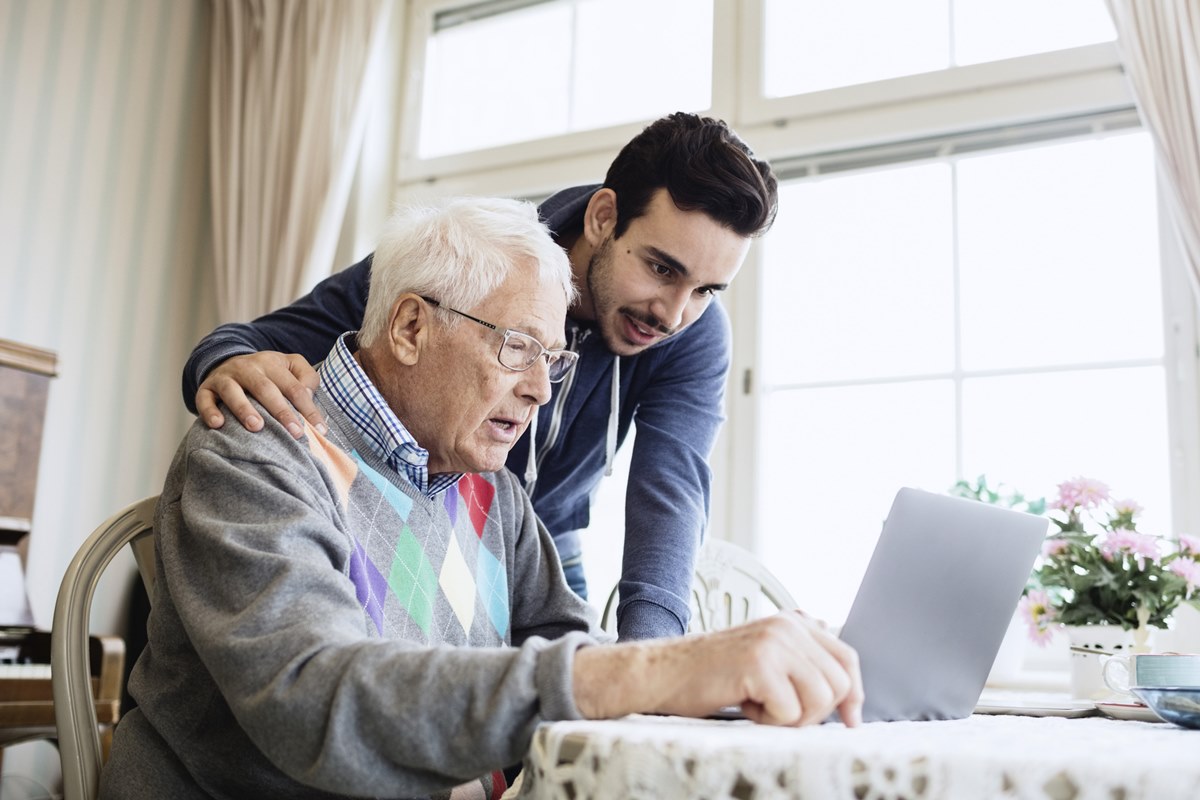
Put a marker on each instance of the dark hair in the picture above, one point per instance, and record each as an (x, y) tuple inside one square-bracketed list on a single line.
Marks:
[(703, 165)]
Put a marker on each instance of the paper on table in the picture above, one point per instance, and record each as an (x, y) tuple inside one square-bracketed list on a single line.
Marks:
[(1033, 704)]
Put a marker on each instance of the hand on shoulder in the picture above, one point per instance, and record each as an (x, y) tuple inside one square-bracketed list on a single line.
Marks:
[(282, 384)]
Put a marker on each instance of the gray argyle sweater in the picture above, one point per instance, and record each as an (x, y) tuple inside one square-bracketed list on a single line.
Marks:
[(321, 628)]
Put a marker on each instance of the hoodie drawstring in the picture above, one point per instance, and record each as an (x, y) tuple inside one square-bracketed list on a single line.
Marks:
[(610, 449), (531, 464), (610, 452)]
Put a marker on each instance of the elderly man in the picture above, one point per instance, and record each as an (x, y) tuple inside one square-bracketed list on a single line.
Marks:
[(376, 610), (651, 250)]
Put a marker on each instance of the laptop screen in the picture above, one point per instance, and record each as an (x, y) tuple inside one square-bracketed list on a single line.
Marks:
[(935, 601)]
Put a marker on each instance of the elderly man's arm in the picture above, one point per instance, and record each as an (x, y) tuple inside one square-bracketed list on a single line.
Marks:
[(254, 562), (782, 670)]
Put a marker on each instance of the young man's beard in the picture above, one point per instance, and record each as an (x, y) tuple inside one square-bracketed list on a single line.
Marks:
[(607, 312)]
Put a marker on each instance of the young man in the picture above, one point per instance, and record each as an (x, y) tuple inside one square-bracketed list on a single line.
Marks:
[(649, 249), (375, 611)]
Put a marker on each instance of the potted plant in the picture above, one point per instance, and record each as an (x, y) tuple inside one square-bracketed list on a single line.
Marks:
[(1097, 568), (1103, 581), (1099, 579)]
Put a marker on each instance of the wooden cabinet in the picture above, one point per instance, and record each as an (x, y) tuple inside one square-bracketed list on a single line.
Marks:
[(26, 702), (25, 374)]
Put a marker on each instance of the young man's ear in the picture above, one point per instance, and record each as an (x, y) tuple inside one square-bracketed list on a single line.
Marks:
[(600, 217), (408, 328)]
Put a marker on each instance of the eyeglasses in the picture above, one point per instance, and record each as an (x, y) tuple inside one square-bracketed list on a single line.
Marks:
[(520, 351)]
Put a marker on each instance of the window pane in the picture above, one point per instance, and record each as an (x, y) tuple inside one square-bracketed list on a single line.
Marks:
[(551, 68), (496, 80), (830, 463), (810, 45), (662, 64), (989, 30), (1034, 431), (1059, 255), (858, 277)]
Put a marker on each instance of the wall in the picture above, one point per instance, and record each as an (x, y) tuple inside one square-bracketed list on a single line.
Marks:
[(105, 259)]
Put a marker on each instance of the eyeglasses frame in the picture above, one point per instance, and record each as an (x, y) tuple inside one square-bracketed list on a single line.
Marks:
[(571, 356)]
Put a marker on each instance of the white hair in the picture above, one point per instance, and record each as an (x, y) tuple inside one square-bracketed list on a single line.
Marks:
[(457, 251)]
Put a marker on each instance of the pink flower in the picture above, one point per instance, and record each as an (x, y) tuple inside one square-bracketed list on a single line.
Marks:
[(1188, 570), (1189, 544), (1052, 547), (1080, 493), (1127, 507), (1138, 545), (1035, 608)]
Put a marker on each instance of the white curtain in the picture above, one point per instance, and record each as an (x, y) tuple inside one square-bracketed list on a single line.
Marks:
[(290, 102), (1159, 41)]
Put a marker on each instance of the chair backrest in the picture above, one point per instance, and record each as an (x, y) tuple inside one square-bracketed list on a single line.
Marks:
[(727, 587), (728, 584), (74, 712)]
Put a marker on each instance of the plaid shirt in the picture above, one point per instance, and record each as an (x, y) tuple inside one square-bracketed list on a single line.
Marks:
[(350, 388)]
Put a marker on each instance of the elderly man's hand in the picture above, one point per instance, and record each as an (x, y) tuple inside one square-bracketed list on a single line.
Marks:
[(283, 384), (782, 670)]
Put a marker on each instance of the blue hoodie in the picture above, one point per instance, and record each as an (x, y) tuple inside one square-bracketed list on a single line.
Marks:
[(674, 391)]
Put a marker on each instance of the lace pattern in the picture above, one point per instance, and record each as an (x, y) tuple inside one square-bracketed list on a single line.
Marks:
[(979, 757)]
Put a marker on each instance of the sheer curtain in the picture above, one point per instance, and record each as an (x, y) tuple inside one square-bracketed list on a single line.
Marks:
[(1159, 42), (289, 99)]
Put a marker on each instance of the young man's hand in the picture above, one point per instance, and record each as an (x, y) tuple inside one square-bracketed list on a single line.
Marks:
[(283, 384), (782, 670)]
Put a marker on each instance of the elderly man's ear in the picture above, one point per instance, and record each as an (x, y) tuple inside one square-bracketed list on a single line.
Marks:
[(408, 329)]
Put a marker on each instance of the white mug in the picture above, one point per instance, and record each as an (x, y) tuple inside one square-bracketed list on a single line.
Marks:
[(1151, 670)]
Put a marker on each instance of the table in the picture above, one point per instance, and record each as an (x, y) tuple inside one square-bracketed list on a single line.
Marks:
[(979, 757)]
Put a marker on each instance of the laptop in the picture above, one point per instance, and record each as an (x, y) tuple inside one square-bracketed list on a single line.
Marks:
[(935, 602)]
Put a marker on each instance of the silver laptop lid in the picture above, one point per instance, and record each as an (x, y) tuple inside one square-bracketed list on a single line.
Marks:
[(935, 602)]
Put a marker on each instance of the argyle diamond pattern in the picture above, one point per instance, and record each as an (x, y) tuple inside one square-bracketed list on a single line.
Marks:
[(433, 573), (458, 585), (414, 580)]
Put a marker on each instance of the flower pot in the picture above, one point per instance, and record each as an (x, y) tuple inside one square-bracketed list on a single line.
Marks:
[(1090, 644), (1184, 635)]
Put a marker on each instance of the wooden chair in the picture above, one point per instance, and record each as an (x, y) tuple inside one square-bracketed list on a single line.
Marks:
[(728, 585), (75, 695)]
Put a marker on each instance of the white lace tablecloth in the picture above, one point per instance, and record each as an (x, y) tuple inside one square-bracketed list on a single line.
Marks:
[(978, 757)]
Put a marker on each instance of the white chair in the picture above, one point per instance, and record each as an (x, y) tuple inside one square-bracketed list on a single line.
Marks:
[(74, 712), (728, 585)]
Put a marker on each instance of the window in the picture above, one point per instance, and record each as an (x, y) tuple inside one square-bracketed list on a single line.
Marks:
[(811, 46), (503, 72), (995, 312)]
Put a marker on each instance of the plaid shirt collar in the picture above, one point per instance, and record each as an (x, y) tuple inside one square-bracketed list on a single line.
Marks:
[(352, 391)]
